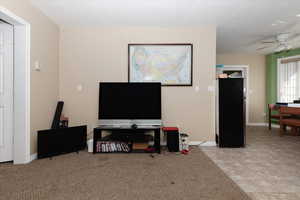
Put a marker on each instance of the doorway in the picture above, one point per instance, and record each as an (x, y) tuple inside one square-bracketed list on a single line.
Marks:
[(239, 71), (21, 87), (6, 91)]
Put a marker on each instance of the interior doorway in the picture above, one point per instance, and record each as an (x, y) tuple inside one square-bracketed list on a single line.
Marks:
[(6, 91), (20, 87), (239, 71)]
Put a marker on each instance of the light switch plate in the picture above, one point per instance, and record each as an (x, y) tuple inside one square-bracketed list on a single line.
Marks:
[(37, 66)]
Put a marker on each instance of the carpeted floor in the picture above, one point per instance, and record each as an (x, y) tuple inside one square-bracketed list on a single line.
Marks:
[(168, 176)]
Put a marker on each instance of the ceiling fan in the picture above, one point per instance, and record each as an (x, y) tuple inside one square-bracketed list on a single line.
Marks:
[(280, 42)]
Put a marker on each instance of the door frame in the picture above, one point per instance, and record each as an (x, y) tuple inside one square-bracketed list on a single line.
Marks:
[(21, 132), (245, 69)]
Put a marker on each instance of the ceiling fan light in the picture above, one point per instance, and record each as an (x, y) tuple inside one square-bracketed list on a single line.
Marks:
[(280, 48), (289, 47)]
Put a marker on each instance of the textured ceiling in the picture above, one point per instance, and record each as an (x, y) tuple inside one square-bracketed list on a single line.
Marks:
[(240, 23)]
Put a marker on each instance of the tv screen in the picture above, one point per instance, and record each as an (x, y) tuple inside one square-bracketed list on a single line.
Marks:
[(130, 101)]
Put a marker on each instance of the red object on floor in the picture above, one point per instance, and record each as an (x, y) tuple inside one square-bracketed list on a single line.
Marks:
[(185, 152), (170, 129), (150, 149)]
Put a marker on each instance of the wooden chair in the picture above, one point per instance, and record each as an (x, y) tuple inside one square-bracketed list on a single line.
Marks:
[(293, 120), (273, 107)]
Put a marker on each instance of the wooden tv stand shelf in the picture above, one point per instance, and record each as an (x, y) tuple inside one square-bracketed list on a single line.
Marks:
[(128, 129)]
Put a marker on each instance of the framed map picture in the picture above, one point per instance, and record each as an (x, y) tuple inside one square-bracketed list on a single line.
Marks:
[(170, 64)]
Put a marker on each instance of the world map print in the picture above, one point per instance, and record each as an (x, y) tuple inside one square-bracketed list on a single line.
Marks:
[(168, 64)]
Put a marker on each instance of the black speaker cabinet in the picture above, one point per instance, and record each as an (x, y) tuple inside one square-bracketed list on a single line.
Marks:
[(231, 111), (173, 141), (58, 141)]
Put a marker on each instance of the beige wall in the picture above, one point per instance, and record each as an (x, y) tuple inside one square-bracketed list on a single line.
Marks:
[(44, 47), (90, 55), (257, 81)]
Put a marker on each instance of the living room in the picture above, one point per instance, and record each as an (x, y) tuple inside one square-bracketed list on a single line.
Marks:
[(64, 49)]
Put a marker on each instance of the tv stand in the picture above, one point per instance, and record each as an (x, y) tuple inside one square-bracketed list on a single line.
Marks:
[(156, 129)]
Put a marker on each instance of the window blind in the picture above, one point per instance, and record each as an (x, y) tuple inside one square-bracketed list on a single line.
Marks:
[(289, 80)]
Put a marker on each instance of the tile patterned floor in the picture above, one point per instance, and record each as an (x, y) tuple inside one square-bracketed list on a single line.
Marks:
[(267, 169)]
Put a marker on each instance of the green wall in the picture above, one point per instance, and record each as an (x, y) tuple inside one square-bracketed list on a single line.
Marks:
[(271, 72)]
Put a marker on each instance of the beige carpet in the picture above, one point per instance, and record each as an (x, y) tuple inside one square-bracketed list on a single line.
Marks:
[(168, 176)]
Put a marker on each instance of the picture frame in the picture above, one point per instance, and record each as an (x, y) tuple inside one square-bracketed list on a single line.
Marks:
[(168, 63)]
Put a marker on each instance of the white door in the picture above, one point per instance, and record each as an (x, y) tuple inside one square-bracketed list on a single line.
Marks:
[(6, 91)]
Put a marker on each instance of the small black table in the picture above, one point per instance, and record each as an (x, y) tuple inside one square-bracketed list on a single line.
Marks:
[(156, 129)]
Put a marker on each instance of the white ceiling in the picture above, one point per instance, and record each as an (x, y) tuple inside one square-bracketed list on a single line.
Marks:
[(240, 23)]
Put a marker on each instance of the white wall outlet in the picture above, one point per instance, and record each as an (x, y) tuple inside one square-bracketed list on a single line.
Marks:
[(37, 66), (211, 88), (79, 88), (197, 88)]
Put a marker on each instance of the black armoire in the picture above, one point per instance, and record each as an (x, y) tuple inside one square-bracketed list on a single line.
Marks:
[(230, 131)]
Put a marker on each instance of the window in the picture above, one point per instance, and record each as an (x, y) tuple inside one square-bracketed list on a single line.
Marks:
[(289, 79)]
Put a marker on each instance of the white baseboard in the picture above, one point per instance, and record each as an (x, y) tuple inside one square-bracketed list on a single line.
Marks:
[(33, 157), (208, 144), (203, 143), (257, 124), (275, 126), (194, 143), (263, 124)]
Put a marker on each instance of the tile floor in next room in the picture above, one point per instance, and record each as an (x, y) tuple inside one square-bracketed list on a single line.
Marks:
[(267, 169)]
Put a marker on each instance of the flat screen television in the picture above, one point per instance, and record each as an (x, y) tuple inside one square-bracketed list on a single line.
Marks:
[(129, 101)]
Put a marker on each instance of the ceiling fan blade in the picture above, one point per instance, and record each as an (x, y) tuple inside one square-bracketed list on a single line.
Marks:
[(262, 48), (270, 38), (268, 42), (294, 39)]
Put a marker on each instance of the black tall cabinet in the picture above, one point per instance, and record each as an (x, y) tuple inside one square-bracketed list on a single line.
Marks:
[(230, 113)]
